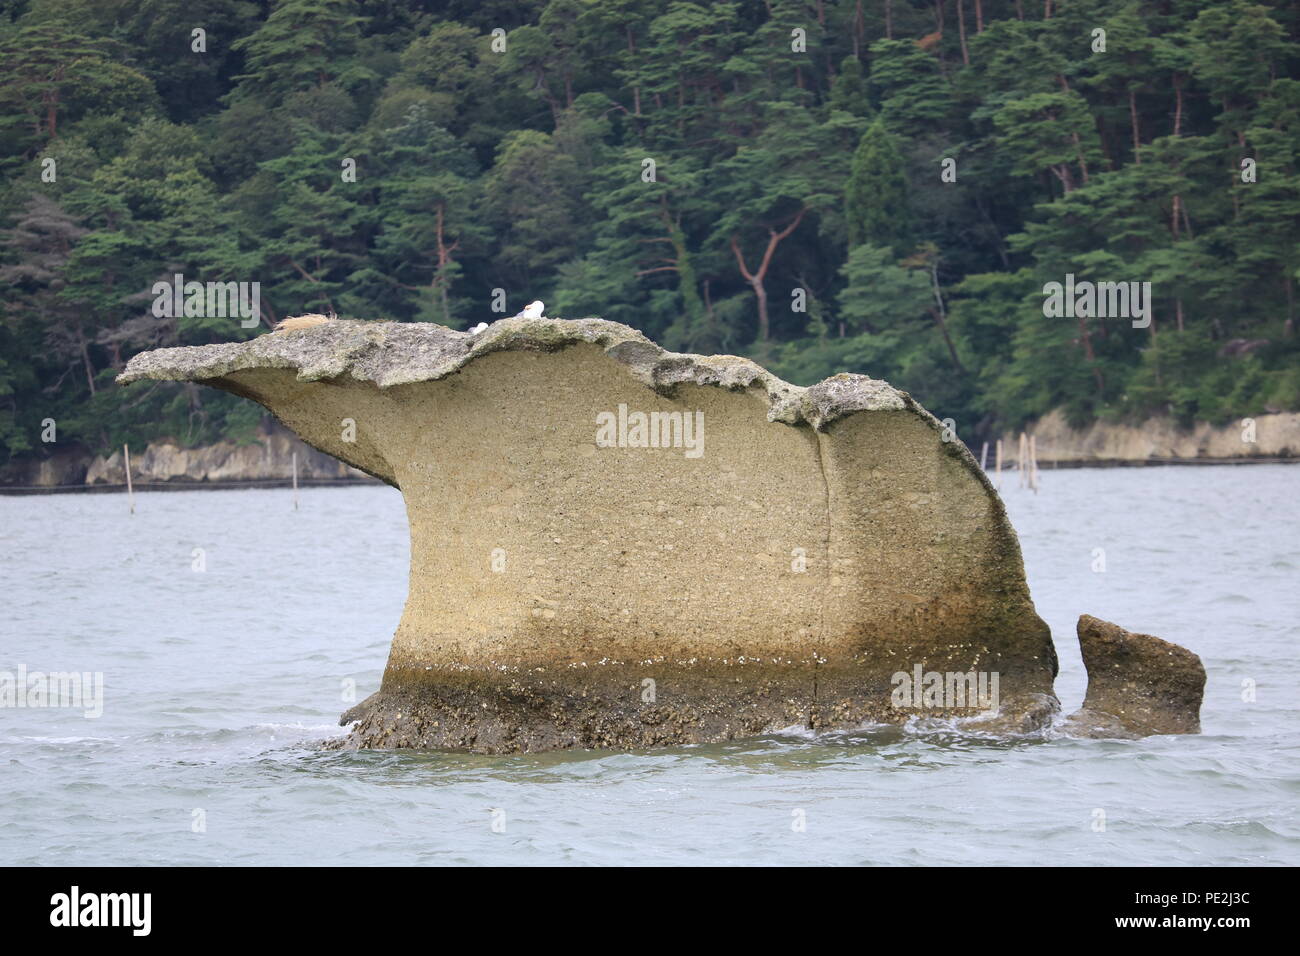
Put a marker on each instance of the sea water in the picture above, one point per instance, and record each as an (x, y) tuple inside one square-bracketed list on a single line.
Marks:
[(231, 631)]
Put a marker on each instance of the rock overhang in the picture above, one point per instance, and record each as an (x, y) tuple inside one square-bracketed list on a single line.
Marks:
[(388, 354)]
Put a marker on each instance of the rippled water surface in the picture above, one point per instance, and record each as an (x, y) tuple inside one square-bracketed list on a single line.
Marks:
[(219, 685)]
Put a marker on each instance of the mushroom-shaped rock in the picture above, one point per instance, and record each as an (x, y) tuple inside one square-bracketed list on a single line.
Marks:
[(1137, 684), (617, 545)]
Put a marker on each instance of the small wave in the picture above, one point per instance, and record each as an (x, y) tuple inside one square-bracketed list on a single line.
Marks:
[(333, 730), (1233, 599), (801, 731)]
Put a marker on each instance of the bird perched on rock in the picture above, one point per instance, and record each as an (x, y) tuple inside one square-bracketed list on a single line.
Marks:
[(533, 310)]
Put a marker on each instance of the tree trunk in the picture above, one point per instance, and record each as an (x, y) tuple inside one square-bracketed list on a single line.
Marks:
[(444, 252), (756, 277), (551, 101), (1062, 172), (1085, 339), (1078, 145), (1133, 119), (85, 358), (940, 314), (1178, 104), (764, 325), (52, 115), (636, 89), (943, 328), (685, 268), (961, 32)]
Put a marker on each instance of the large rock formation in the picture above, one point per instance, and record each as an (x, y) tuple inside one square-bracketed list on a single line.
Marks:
[(617, 545)]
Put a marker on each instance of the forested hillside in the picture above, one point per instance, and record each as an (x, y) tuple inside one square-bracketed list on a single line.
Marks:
[(882, 187)]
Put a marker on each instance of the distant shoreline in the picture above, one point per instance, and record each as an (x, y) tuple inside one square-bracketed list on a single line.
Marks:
[(271, 461), (1154, 462), (286, 483), (1272, 437), (258, 483)]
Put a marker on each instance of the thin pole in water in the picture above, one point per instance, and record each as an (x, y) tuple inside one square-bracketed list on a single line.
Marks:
[(130, 494), (984, 457), (1021, 454), (1033, 463), (999, 464), (295, 481)]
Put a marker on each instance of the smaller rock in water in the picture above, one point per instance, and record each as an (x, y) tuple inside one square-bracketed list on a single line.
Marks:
[(1137, 684)]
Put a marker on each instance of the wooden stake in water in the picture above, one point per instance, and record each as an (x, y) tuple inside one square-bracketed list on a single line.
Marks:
[(130, 494), (1033, 463), (999, 464), (1022, 453), (295, 481), (984, 457)]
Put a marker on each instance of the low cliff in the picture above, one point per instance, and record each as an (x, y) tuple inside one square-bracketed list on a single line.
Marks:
[(1158, 441), (270, 457)]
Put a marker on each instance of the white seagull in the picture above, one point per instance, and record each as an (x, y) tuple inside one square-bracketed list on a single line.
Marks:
[(533, 310)]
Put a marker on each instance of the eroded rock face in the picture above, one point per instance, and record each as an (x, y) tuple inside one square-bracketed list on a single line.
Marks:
[(63, 466), (1137, 684), (566, 592)]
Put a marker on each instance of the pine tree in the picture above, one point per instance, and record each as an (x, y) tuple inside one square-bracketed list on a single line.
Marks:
[(875, 200)]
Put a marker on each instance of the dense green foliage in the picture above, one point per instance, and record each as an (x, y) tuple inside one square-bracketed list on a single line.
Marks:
[(763, 177)]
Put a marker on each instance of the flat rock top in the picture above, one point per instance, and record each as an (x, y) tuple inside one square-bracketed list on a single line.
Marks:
[(402, 353)]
